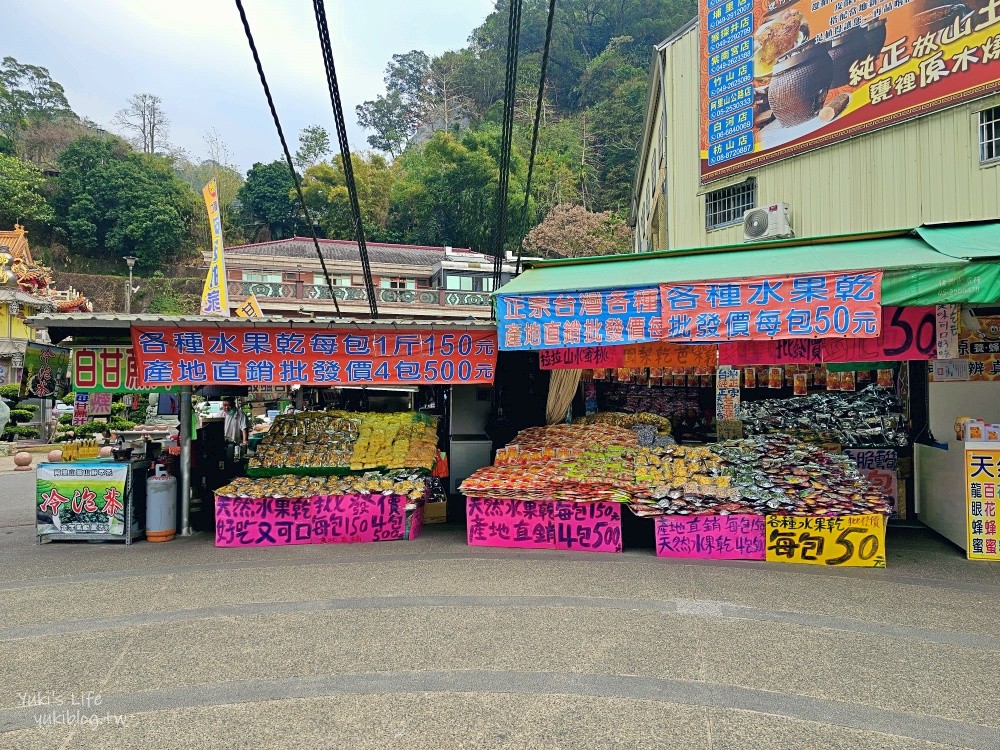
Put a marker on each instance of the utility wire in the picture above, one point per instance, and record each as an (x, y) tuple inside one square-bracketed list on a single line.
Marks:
[(288, 154), (534, 130), (345, 150), (510, 87)]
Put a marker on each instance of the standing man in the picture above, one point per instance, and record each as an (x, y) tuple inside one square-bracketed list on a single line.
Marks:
[(235, 431)]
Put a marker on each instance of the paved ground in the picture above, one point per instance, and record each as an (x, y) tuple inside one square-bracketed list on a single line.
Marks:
[(433, 644)]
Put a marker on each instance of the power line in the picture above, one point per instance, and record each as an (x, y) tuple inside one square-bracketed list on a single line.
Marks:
[(510, 87), (345, 149), (288, 154), (534, 130)]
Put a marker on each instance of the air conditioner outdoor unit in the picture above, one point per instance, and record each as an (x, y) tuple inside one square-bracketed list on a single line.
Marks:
[(767, 223)]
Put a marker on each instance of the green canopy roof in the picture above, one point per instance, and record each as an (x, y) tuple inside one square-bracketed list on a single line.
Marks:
[(924, 266)]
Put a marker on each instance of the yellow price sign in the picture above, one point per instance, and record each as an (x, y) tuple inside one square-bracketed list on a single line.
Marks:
[(250, 308), (840, 541)]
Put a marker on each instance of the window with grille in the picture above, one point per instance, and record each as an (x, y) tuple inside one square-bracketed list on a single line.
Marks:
[(989, 135), (726, 206)]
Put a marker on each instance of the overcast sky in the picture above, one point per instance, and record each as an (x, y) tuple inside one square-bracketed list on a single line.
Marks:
[(194, 55)]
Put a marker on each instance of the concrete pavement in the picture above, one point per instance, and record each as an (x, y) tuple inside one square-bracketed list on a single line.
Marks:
[(434, 644)]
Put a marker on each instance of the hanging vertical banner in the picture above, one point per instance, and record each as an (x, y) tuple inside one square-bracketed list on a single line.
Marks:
[(727, 393), (214, 296), (845, 305), (80, 409), (982, 478), (947, 331)]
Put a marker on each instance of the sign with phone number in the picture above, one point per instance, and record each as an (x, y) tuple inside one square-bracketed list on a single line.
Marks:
[(311, 356)]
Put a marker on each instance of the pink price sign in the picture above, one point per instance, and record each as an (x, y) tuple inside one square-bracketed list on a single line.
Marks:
[(735, 537), (591, 527), (271, 522)]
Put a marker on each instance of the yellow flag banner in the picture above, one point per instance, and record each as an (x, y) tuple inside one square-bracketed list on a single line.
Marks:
[(214, 299), (249, 308)]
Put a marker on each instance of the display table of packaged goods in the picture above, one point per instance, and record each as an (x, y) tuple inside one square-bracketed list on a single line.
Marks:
[(768, 497), (94, 500), (319, 510)]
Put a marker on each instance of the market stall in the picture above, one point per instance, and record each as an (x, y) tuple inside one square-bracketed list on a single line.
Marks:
[(842, 345), (315, 357), (383, 458)]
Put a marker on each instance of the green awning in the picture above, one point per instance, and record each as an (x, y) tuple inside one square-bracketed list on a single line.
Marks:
[(974, 240), (916, 273)]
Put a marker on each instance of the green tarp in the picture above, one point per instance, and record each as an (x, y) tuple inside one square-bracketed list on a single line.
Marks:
[(971, 241), (916, 273)]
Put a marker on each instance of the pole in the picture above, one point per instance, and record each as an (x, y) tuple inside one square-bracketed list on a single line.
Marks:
[(128, 292), (185, 435)]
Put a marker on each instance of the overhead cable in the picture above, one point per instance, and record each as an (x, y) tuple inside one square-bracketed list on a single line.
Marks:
[(288, 154), (534, 129), (345, 150), (510, 89)]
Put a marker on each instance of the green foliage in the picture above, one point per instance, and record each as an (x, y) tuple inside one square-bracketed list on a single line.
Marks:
[(592, 113), (69, 399), (65, 419), (228, 181), (21, 198), (28, 406), (11, 391), (325, 190), (446, 192), (118, 407), (314, 145), (120, 424), (112, 202), (20, 415), (28, 95), (167, 300), (267, 207), (24, 431)]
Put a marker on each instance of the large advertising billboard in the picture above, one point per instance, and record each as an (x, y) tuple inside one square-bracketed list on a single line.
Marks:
[(779, 77)]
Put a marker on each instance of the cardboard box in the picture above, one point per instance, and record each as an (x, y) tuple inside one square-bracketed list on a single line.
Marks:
[(435, 512)]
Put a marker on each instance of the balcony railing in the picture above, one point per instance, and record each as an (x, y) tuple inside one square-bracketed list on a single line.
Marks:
[(316, 292)]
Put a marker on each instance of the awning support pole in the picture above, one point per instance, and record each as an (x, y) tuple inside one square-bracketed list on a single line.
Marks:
[(185, 435)]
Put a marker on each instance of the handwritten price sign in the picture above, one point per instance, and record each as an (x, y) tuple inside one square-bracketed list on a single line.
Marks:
[(839, 541), (736, 537), (591, 527), (270, 522)]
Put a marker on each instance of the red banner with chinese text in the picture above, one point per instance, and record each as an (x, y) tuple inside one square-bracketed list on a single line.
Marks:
[(311, 356), (908, 333), (782, 307)]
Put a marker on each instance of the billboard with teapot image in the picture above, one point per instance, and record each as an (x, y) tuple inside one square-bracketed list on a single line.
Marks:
[(780, 77)]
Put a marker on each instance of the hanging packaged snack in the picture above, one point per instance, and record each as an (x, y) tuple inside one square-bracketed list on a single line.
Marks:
[(801, 384), (775, 377), (749, 377), (847, 382), (885, 378)]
